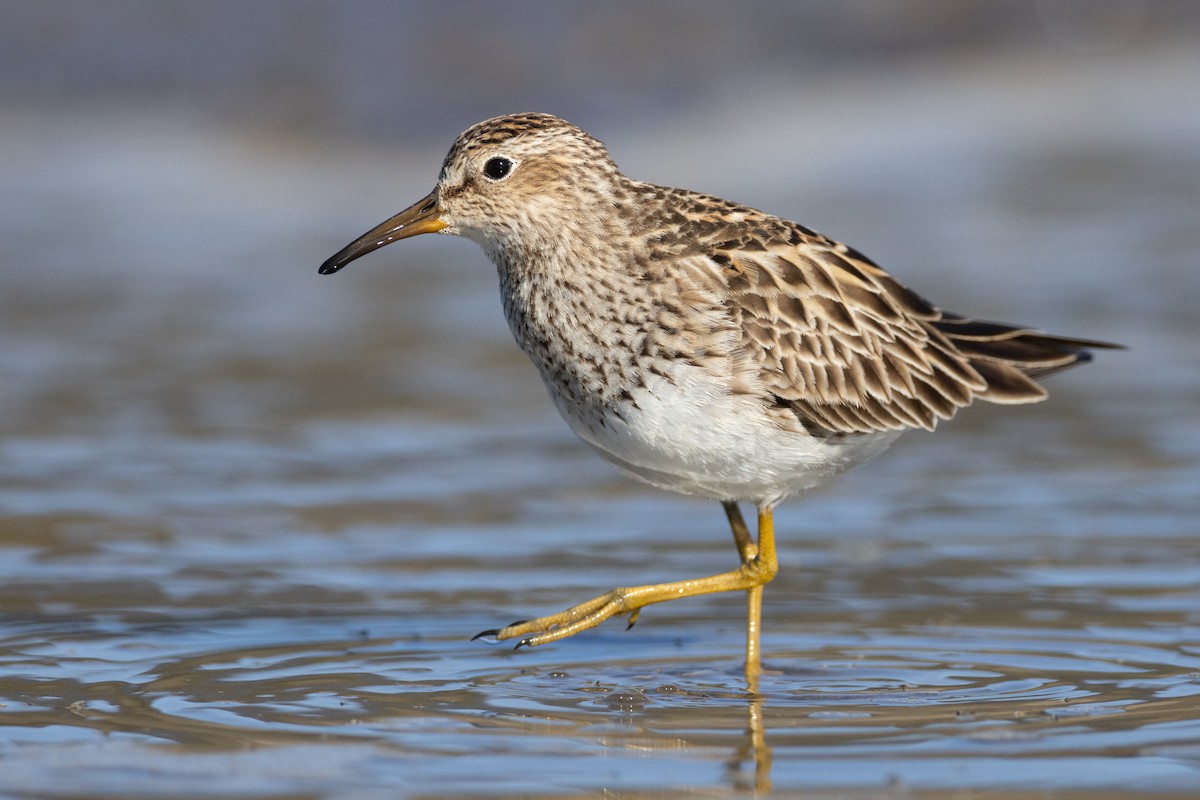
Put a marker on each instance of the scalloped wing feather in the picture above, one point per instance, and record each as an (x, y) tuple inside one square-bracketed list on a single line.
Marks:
[(843, 346)]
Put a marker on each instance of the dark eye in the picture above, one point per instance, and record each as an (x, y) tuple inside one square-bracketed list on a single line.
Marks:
[(497, 168)]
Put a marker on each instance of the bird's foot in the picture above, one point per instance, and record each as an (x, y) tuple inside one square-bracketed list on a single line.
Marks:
[(630, 600), (553, 627)]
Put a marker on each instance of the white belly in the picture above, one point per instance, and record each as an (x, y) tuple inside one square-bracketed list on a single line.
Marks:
[(694, 437)]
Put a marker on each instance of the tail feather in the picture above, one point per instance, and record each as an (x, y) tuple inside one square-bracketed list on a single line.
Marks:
[(1012, 358)]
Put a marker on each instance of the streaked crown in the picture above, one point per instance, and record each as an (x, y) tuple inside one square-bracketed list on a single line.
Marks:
[(522, 180)]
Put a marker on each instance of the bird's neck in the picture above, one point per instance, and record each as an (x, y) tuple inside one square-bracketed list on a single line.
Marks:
[(555, 297)]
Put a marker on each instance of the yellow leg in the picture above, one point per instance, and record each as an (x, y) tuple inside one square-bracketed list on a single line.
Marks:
[(741, 534), (758, 566), (747, 549), (753, 637)]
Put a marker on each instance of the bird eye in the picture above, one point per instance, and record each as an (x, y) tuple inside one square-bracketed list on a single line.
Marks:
[(497, 168)]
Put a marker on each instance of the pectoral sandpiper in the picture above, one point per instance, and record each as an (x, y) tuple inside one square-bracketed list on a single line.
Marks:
[(703, 346)]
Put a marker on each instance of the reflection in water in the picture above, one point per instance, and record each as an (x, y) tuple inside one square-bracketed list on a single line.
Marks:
[(754, 753)]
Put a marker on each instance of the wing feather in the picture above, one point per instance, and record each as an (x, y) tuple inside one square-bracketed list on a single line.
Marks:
[(846, 348)]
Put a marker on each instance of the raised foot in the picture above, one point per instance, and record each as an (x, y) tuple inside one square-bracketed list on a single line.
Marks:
[(493, 634), (630, 600), (553, 627)]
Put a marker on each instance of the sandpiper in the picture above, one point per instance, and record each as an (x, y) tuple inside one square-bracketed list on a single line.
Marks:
[(703, 346)]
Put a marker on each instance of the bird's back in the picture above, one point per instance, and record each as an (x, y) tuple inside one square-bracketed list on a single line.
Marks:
[(837, 344)]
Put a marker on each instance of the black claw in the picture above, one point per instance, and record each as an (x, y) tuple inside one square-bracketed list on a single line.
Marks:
[(518, 622), (632, 622), (526, 642), (484, 634)]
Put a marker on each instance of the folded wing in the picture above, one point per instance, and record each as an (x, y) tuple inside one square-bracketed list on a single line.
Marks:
[(840, 343)]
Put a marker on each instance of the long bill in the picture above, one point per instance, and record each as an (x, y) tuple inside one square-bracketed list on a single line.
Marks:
[(423, 216)]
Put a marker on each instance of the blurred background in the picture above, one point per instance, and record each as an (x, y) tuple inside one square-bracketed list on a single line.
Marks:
[(172, 172), (221, 473)]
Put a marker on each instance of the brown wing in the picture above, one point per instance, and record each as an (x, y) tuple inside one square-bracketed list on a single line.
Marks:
[(848, 349)]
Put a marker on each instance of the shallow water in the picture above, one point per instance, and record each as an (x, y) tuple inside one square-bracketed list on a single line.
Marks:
[(250, 517)]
